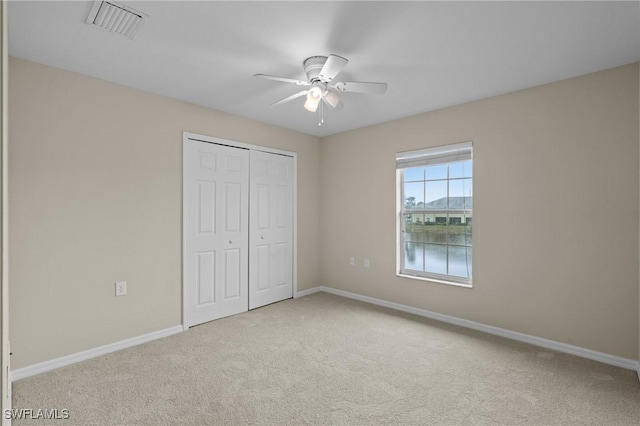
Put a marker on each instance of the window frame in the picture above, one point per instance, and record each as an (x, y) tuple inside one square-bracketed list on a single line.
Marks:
[(422, 158)]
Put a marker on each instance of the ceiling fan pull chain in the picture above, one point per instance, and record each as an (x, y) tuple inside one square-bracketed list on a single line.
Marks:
[(321, 114)]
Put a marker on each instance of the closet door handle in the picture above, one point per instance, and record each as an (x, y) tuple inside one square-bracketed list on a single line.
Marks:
[(262, 237), (230, 242)]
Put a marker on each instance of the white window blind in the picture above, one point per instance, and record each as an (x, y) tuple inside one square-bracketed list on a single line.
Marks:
[(436, 155)]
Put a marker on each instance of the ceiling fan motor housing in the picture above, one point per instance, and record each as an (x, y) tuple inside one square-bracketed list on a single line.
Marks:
[(313, 66)]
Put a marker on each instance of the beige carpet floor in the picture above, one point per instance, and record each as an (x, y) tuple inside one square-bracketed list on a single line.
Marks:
[(324, 359)]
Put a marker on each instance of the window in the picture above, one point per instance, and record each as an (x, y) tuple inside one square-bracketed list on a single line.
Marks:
[(435, 209)]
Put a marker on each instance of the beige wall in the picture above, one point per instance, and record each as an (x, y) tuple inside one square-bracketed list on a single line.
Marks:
[(95, 196), (5, 394), (550, 165)]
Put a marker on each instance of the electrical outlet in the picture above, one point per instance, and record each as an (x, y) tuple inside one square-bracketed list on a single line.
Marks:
[(121, 288), (367, 263), (352, 261)]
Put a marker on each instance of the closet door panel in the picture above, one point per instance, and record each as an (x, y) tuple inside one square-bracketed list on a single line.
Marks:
[(216, 231), (271, 229)]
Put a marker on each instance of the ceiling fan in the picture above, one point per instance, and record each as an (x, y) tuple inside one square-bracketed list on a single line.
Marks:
[(323, 88)]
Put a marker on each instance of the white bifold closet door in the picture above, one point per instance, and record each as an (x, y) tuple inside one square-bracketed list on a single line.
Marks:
[(238, 230), (217, 234), (270, 229)]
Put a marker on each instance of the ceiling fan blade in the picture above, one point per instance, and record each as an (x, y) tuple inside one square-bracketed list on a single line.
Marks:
[(360, 87), (283, 79), (290, 98), (332, 67)]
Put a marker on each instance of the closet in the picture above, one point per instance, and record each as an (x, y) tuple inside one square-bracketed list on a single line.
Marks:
[(238, 233)]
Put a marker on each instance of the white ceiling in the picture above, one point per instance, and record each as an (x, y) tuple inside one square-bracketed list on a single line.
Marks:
[(432, 54)]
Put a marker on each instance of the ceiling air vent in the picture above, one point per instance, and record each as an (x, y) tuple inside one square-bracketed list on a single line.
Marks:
[(115, 17)]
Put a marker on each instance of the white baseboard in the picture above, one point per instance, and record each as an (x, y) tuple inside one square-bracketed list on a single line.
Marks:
[(45, 366), (514, 335), (308, 292), (630, 364)]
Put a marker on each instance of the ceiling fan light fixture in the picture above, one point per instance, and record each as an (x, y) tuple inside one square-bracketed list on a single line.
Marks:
[(311, 105), (314, 96), (332, 98)]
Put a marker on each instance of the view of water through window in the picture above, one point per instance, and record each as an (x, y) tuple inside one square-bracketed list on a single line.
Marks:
[(438, 213)]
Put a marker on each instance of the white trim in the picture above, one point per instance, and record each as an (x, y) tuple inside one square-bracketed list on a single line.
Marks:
[(220, 141), (185, 296), (433, 280), (420, 158), (513, 335), (630, 364), (294, 262), (63, 361), (307, 292), (399, 225), (186, 136)]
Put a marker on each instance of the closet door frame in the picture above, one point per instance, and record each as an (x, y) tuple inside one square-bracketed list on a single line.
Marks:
[(186, 137)]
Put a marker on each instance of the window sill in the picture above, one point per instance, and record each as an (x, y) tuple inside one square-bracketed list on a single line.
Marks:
[(433, 280)]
